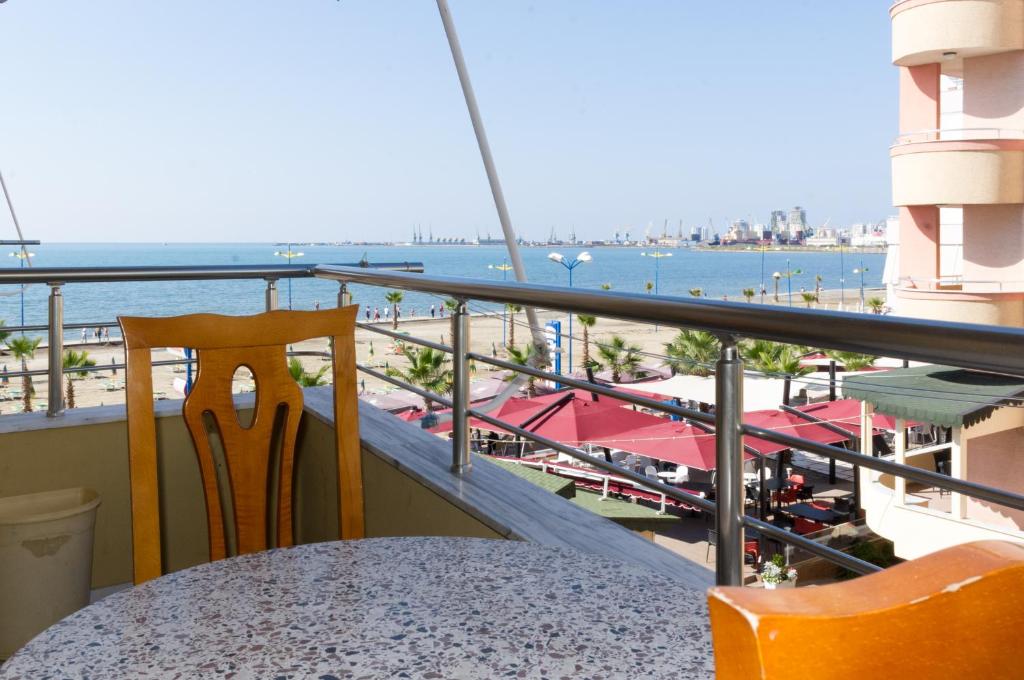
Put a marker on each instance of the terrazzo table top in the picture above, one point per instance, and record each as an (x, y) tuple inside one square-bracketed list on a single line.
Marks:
[(387, 608)]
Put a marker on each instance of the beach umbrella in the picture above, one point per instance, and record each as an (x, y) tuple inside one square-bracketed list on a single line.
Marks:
[(671, 442), (845, 414), (792, 425)]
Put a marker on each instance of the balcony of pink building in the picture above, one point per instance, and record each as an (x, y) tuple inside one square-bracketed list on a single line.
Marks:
[(964, 166), (927, 31)]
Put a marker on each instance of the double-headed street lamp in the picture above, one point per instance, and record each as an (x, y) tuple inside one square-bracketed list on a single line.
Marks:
[(860, 270), (289, 255), (23, 255), (570, 264), (504, 268), (657, 255)]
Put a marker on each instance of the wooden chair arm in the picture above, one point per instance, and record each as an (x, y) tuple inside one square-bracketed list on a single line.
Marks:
[(957, 611)]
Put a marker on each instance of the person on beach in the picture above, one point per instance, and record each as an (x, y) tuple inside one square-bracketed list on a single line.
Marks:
[(398, 311), (367, 312), (431, 311), (85, 335), (387, 313), (376, 314), (316, 305)]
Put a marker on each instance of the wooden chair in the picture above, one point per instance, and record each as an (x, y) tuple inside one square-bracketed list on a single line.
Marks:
[(223, 345), (955, 613)]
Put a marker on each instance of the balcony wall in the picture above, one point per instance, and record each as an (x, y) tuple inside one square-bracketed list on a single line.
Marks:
[(975, 172), (408, 488), (922, 30)]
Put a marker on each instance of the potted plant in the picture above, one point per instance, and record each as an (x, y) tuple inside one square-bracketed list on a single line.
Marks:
[(775, 573)]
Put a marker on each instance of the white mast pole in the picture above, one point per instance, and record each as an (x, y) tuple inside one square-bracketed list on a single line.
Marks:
[(17, 226), (492, 174)]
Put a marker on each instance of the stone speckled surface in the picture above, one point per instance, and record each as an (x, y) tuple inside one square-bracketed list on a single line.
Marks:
[(387, 608)]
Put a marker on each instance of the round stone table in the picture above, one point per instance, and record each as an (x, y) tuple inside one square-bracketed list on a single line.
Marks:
[(388, 607)]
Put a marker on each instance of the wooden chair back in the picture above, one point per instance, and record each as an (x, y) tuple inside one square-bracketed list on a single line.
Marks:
[(223, 344), (955, 613)]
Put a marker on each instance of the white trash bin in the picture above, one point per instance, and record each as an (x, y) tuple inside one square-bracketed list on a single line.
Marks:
[(45, 561)]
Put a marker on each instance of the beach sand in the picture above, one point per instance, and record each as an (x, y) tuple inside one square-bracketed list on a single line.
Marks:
[(105, 387)]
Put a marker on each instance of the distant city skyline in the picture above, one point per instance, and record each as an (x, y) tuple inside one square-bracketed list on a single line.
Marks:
[(181, 123)]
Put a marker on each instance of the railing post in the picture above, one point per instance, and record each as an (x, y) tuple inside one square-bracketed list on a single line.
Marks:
[(461, 462), (55, 366), (729, 456), (271, 294), (344, 297)]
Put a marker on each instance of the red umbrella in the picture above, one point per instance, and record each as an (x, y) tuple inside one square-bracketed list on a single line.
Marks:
[(570, 417), (845, 413), (792, 425), (672, 442)]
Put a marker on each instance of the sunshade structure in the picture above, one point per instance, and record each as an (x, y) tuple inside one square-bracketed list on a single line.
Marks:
[(672, 442), (845, 414), (758, 392), (393, 401), (792, 425), (570, 417), (938, 395)]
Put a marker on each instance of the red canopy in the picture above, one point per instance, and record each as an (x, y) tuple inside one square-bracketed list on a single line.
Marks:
[(672, 442), (845, 413), (792, 425), (580, 419)]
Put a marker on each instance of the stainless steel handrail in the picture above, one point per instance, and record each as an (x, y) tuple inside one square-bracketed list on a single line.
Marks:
[(972, 346), (182, 273), (987, 348), (57, 277)]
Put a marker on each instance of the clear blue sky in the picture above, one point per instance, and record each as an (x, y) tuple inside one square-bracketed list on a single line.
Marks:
[(265, 121)]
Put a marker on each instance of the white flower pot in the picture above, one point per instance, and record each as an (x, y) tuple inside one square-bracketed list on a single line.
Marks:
[(784, 584)]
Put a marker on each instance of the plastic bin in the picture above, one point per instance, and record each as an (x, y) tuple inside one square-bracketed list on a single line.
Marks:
[(46, 544)]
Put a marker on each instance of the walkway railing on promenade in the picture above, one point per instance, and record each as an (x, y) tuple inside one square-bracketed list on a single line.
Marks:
[(57, 278), (984, 348)]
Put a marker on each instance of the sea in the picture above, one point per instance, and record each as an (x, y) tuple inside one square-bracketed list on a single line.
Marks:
[(718, 273)]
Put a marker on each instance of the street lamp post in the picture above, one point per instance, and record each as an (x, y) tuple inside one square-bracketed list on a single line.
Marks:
[(657, 255), (860, 270), (23, 257), (504, 268), (777, 276), (289, 255), (790, 273), (570, 264), (842, 279)]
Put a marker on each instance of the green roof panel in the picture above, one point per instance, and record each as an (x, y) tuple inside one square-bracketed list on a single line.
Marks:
[(938, 395)]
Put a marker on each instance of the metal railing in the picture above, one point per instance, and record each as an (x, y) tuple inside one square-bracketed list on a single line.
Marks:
[(57, 278), (958, 135), (985, 348)]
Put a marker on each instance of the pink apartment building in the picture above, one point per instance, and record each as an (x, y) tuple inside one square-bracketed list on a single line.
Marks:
[(958, 162)]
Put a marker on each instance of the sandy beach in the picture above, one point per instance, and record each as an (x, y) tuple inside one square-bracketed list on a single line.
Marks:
[(106, 386)]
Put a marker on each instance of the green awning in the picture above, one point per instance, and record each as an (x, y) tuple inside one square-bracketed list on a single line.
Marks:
[(560, 486), (938, 395)]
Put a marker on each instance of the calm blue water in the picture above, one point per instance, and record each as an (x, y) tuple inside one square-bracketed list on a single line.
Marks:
[(718, 273)]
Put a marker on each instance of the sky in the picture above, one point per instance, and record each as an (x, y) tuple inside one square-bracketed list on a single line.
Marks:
[(333, 120)]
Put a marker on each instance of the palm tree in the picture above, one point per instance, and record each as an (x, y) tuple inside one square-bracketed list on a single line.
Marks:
[(809, 298), (394, 297), (697, 292), (817, 287), (587, 322), (24, 348), (851, 361), (428, 369), (512, 309), (73, 359), (692, 353), (875, 304), (619, 357), (749, 294), (606, 286), (649, 287), (524, 357), (306, 378), (452, 305), (4, 334), (775, 358)]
